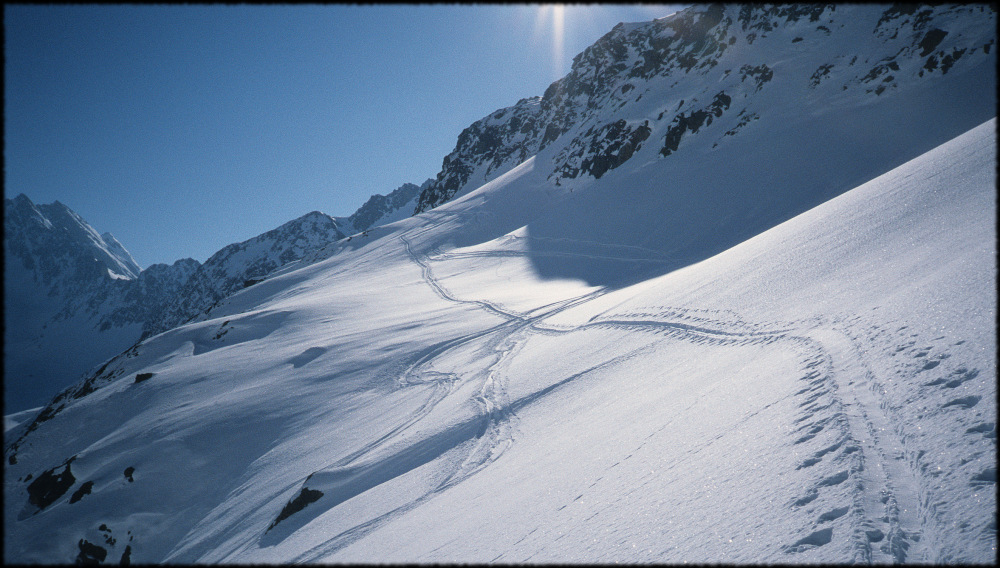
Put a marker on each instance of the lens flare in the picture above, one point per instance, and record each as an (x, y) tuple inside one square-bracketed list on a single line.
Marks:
[(558, 35), (551, 20)]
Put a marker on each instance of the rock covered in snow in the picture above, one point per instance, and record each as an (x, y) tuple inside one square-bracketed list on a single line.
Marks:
[(661, 82)]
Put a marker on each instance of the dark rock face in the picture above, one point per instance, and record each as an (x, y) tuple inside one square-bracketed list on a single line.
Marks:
[(607, 148), (140, 377), (108, 539), (83, 490), (692, 122), (90, 553), (821, 72), (50, 486), (305, 497), (128, 473), (507, 136), (931, 40), (759, 75)]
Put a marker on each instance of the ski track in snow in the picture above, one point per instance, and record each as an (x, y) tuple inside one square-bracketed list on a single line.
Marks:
[(493, 432), (875, 487)]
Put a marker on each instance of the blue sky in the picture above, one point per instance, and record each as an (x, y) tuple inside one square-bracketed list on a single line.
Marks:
[(181, 129)]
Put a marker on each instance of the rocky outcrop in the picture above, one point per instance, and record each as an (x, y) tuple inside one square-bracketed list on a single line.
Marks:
[(380, 208), (658, 80), (236, 265)]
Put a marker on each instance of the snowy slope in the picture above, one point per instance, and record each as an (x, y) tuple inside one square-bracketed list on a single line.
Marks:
[(824, 391), (243, 264), (776, 349)]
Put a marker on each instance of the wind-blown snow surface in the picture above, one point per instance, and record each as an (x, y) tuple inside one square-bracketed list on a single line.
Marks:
[(824, 391)]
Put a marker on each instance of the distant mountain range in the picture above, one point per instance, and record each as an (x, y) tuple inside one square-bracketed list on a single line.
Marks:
[(74, 298)]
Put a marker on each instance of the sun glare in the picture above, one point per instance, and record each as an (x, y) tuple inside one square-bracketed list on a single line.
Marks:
[(551, 20), (558, 34)]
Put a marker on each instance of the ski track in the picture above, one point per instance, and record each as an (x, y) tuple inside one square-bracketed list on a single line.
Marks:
[(493, 436), (883, 503)]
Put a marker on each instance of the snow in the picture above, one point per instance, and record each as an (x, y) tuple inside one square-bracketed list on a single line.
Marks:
[(786, 400), (777, 350), (11, 421)]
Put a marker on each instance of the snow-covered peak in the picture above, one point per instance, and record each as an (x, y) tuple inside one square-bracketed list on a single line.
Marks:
[(713, 71), (240, 265), (75, 297), (58, 271), (382, 209), (37, 232), (118, 250), (303, 232)]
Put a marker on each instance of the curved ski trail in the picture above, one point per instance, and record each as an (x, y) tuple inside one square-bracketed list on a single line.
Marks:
[(492, 430), (885, 509)]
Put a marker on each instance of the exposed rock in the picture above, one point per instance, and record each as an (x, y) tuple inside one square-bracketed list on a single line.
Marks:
[(760, 74), (83, 490), (691, 123), (821, 72), (50, 486), (90, 553), (931, 40), (305, 497), (606, 149), (379, 206)]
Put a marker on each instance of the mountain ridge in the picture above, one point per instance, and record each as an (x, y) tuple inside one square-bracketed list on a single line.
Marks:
[(96, 302), (131, 302), (631, 60)]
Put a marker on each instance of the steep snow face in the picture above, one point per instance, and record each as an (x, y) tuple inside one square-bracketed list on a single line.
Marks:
[(709, 74), (822, 392)]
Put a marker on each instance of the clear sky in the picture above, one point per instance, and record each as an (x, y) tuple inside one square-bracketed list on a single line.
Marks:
[(181, 129)]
